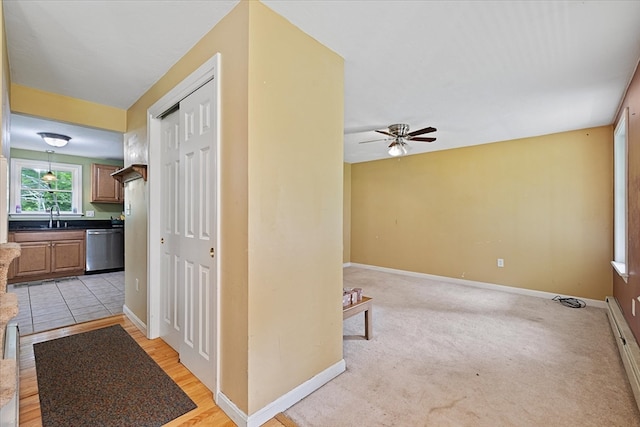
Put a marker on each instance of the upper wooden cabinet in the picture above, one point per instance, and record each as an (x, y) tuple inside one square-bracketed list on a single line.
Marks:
[(104, 188)]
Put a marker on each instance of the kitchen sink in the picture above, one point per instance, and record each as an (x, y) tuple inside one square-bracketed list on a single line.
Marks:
[(46, 228), (71, 224)]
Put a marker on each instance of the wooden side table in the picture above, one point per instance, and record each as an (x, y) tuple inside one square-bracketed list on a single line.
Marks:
[(365, 305)]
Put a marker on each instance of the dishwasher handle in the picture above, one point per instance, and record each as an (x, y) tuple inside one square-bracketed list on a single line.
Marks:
[(96, 232)]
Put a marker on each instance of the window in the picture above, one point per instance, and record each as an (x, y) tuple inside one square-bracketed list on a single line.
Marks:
[(30, 195), (620, 196)]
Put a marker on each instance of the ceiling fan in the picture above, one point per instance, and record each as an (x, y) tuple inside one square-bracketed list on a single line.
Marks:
[(400, 134)]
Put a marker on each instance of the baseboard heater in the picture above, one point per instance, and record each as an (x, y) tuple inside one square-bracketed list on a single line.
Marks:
[(9, 413), (627, 345)]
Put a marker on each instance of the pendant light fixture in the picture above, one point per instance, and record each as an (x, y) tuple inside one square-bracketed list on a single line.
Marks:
[(54, 139), (49, 176)]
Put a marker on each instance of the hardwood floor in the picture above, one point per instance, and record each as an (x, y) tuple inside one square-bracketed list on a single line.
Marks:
[(207, 413)]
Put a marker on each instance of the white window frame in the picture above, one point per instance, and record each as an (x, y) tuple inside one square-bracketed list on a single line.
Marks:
[(14, 193), (620, 196)]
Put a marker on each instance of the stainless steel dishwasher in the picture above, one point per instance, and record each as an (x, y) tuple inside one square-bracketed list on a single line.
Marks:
[(105, 249)]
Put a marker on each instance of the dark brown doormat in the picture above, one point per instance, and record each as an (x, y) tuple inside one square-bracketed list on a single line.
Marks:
[(104, 378)]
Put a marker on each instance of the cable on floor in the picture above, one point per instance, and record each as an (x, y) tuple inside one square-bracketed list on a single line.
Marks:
[(570, 302)]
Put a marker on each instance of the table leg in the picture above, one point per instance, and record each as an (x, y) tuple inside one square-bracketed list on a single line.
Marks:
[(368, 323)]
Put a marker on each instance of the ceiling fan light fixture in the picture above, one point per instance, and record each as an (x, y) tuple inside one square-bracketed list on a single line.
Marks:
[(398, 148), (54, 139)]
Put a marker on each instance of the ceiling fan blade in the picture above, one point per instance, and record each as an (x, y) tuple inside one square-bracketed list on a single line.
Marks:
[(373, 140), (386, 133), (421, 131), (423, 139), (362, 129)]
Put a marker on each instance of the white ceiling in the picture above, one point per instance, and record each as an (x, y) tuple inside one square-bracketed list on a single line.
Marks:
[(85, 142), (478, 71)]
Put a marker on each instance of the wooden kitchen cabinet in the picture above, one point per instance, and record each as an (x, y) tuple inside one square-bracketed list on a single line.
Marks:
[(35, 259), (105, 188), (67, 256), (48, 254)]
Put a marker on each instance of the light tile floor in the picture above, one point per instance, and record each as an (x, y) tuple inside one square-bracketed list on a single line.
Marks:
[(56, 303)]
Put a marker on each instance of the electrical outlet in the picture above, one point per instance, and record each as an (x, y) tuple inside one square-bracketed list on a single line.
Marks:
[(90, 214), (500, 262)]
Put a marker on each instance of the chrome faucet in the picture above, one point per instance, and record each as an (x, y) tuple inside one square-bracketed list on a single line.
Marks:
[(57, 207), (57, 213)]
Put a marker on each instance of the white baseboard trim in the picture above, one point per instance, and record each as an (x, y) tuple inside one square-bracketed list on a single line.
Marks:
[(228, 407), (346, 264), (627, 345), (135, 320), (282, 403), (483, 285)]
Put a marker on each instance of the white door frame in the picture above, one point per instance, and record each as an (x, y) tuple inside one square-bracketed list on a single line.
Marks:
[(207, 71)]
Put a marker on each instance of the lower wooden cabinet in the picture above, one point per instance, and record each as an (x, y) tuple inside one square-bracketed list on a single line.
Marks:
[(67, 255), (47, 254), (34, 259)]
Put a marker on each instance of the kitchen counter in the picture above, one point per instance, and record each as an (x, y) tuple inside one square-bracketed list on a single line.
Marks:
[(74, 248), (77, 224)]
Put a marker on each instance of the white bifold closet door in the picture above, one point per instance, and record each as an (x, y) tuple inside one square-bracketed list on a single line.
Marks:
[(188, 218)]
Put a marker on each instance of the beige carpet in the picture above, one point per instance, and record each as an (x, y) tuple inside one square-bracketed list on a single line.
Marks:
[(452, 355)]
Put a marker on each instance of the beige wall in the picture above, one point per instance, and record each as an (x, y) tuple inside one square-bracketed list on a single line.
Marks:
[(346, 200), (135, 248), (543, 204), (34, 102), (5, 82), (281, 201), (295, 207)]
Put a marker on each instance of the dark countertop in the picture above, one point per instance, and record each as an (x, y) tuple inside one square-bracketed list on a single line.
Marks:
[(65, 224)]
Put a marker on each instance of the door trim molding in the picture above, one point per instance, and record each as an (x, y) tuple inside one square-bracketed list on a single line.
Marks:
[(210, 70), (186, 87)]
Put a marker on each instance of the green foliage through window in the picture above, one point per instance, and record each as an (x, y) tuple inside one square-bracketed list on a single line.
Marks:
[(30, 194), (37, 195)]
